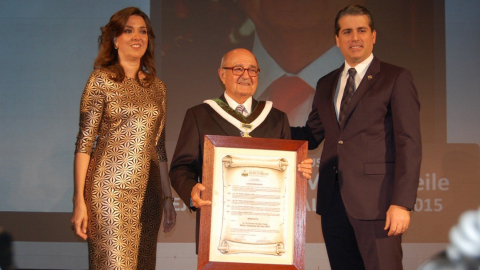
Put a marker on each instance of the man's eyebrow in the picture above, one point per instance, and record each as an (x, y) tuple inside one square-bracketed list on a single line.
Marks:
[(240, 65)]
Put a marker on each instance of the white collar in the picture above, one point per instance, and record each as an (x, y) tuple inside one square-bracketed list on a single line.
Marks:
[(233, 104), (243, 127), (360, 68)]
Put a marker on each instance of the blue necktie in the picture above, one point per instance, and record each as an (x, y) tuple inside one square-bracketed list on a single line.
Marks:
[(241, 109)]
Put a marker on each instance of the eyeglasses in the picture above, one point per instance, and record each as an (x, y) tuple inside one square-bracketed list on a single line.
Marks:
[(238, 71)]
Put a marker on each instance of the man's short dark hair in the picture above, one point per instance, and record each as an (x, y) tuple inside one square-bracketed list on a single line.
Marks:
[(354, 10)]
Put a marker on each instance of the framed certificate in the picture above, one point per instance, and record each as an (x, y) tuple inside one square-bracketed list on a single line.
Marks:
[(258, 211)]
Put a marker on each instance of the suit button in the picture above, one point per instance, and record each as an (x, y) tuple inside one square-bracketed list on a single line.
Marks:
[(340, 142)]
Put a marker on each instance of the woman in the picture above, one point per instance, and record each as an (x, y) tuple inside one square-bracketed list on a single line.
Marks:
[(120, 168)]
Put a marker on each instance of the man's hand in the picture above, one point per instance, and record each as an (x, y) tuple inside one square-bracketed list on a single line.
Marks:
[(196, 201), (398, 219), (305, 167)]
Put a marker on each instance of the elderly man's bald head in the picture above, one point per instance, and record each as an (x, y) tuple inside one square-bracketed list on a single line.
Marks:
[(239, 87)]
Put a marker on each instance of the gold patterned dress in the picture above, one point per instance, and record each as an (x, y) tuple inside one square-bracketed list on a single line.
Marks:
[(122, 127)]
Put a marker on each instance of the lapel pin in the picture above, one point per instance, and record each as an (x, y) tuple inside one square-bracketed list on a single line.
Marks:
[(369, 77)]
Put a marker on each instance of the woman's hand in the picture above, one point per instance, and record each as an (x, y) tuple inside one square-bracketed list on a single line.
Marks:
[(170, 216), (80, 219)]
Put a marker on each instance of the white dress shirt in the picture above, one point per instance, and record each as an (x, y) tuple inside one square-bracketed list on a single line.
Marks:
[(361, 70), (233, 104)]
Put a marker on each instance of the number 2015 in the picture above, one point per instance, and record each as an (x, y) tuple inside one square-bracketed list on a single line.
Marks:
[(429, 205)]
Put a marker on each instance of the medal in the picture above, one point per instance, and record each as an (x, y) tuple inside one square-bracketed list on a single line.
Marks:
[(246, 128)]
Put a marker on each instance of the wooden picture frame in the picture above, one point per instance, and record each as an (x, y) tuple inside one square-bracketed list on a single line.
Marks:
[(236, 160)]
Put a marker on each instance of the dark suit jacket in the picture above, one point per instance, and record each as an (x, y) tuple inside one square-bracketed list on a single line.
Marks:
[(377, 150), (201, 120)]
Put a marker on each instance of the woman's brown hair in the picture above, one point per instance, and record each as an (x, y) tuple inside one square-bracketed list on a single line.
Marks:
[(107, 57)]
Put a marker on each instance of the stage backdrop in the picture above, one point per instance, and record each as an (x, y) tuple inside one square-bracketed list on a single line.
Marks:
[(48, 52)]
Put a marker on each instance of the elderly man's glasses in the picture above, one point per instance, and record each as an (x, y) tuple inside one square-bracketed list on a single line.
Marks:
[(238, 71)]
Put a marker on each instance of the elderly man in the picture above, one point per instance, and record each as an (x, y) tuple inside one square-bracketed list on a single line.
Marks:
[(224, 116)]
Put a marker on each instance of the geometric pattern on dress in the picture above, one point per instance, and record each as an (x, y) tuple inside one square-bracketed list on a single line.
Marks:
[(122, 127)]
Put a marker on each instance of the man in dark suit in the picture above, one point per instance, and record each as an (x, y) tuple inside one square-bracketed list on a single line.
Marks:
[(367, 112), (224, 116)]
